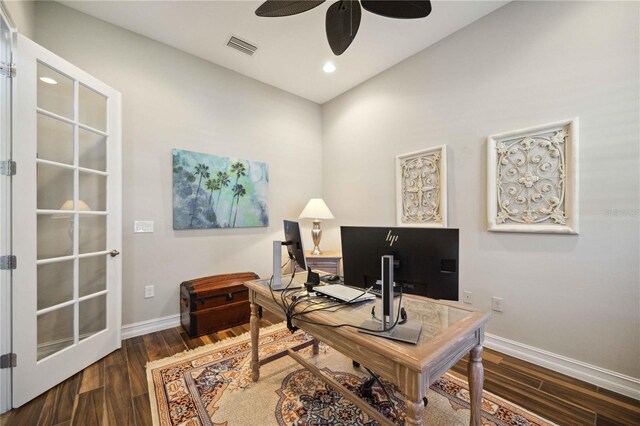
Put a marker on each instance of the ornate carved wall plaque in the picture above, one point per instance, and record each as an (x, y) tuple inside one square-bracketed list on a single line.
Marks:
[(421, 188), (533, 179)]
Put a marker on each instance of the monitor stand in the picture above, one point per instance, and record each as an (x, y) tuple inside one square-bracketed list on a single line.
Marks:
[(409, 331), (276, 281)]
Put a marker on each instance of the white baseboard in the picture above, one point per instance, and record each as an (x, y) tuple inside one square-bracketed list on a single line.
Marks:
[(150, 326), (620, 383)]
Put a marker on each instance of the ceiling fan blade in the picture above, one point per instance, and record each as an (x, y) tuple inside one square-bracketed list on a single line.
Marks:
[(276, 8), (402, 9), (342, 23)]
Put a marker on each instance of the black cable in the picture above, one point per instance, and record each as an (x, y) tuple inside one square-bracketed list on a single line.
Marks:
[(384, 390), (322, 301), (403, 315), (288, 310), (285, 264), (391, 327), (284, 305)]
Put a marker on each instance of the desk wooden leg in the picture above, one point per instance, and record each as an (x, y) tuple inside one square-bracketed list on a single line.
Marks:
[(316, 346), (414, 412), (255, 336), (476, 378)]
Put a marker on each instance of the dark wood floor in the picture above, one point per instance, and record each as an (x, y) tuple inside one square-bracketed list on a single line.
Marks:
[(113, 391)]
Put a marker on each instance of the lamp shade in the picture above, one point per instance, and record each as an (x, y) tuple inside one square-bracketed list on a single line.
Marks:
[(82, 206), (316, 209)]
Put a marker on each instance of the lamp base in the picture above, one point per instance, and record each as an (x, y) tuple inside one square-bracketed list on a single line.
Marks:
[(316, 235)]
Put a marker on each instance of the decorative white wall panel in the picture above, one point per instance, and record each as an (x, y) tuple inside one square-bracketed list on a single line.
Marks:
[(533, 179), (421, 188)]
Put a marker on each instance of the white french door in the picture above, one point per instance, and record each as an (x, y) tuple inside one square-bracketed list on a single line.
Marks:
[(66, 297)]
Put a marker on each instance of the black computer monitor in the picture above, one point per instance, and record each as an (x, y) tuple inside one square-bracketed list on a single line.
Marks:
[(293, 241), (425, 259)]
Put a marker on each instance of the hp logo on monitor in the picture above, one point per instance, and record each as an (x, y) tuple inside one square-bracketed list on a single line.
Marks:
[(391, 238)]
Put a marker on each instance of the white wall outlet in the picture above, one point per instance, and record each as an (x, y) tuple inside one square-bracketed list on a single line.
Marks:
[(142, 226), (148, 291), (467, 297), (497, 304)]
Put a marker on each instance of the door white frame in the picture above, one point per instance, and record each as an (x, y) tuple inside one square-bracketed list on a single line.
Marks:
[(5, 217), (31, 376)]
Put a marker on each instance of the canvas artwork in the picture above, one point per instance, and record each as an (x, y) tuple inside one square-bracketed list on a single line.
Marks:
[(218, 192), (533, 179)]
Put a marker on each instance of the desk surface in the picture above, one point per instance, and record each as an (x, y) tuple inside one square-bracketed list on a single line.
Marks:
[(449, 331), (442, 323)]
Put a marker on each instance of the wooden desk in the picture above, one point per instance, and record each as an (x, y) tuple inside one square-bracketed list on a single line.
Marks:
[(449, 331)]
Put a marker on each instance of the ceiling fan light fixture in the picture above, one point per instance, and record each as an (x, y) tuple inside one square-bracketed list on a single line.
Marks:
[(329, 67), (343, 17)]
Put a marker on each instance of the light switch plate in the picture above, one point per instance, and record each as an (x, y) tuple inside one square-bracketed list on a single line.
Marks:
[(149, 291), (142, 226), (497, 304)]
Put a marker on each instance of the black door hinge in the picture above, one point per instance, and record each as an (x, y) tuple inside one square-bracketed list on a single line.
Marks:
[(8, 168), (8, 360), (8, 262)]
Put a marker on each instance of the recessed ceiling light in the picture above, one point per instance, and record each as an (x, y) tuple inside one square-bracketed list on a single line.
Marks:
[(48, 80), (329, 67)]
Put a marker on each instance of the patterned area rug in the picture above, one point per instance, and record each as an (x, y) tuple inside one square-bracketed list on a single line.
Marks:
[(212, 385)]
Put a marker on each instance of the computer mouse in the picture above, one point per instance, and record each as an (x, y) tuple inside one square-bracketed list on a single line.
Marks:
[(333, 278)]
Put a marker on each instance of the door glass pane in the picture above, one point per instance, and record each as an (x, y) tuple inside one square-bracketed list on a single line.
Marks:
[(55, 187), (93, 316), (55, 91), (93, 233), (55, 140), (93, 275), (55, 331), (93, 191), (93, 150), (55, 236), (55, 283), (93, 108)]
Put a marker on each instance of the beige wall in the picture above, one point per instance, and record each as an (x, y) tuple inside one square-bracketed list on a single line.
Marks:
[(526, 64), (23, 15), (174, 100)]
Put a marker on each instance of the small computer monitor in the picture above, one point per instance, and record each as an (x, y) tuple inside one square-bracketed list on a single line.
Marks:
[(425, 259), (293, 242)]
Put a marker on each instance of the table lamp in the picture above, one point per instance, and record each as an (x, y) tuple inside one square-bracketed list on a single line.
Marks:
[(68, 205), (82, 206), (316, 209)]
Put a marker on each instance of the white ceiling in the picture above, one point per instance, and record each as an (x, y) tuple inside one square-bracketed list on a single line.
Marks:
[(291, 50)]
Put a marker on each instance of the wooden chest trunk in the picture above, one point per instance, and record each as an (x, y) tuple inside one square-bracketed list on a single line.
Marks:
[(214, 303)]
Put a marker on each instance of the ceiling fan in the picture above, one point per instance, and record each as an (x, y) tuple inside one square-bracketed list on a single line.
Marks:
[(343, 17)]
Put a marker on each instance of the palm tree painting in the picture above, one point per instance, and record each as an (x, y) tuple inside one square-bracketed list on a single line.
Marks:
[(218, 192), (223, 181), (202, 170), (238, 169)]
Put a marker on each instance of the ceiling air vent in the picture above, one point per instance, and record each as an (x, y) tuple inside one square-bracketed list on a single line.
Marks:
[(241, 45)]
